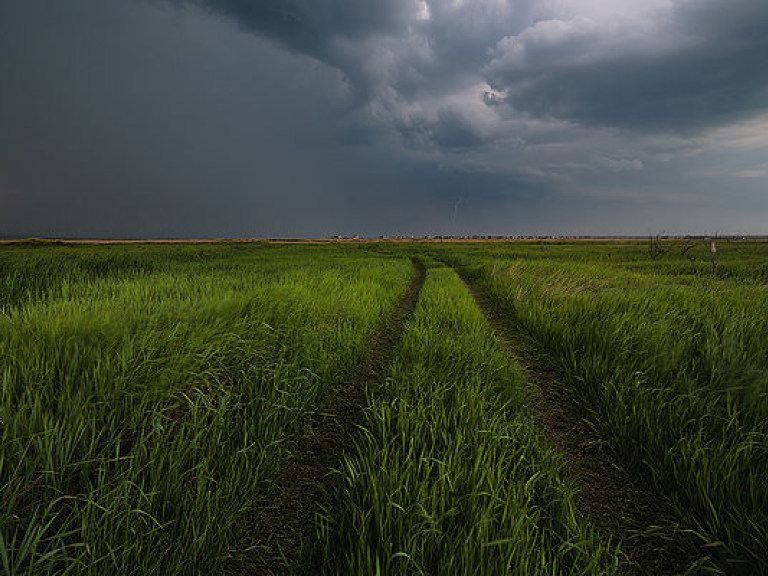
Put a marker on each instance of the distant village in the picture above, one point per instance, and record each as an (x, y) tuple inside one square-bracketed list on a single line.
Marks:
[(454, 237), (544, 237)]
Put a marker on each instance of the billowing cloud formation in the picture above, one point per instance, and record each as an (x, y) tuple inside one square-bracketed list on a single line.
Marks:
[(409, 62), (688, 67), (660, 65), (578, 94), (308, 25), (282, 117)]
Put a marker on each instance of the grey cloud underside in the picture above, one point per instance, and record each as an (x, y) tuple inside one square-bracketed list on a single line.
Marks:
[(318, 117), (718, 77), (308, 25), (712, 71), (452, 130), (685, 95), (385, 52), (721, 78)]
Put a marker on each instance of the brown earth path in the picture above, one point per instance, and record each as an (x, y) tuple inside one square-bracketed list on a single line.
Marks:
[(616, 503), (284, 533)]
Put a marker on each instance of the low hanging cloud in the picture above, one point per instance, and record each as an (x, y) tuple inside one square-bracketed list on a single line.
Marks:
[(697, 66), (406, 61), (660, 66), (331, 116), (575, 95)]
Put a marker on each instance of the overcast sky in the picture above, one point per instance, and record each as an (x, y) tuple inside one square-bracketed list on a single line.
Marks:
[(318, 117)]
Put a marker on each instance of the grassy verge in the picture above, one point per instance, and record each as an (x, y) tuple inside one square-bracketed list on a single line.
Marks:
[(451, 475), (674, 370), (142, 412)]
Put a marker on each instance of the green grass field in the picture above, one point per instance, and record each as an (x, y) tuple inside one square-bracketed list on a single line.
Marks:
[(154, 396)]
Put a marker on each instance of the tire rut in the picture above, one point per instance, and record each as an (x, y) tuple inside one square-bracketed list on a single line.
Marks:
[(284, 529), (614, 502)]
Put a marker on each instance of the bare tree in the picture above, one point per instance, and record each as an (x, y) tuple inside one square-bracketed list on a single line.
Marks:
[(655, 248), (686, 251)]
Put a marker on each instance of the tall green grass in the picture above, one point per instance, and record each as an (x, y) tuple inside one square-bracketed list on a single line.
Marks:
[(144, 404), (451, 475), (32, 273), (673, 366), (149, 393)]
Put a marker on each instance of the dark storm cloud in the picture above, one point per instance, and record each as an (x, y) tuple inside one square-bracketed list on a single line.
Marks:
[(309, 24), (453, 130), (102, 134), (705, 66), (391, 52), (702, 64), (199, 130), (316, 117)]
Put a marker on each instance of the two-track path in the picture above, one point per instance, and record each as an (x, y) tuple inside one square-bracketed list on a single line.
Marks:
[(284, 533), (617, 504)]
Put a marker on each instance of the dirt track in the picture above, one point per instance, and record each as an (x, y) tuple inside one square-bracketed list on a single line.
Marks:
[(616, 503), (285, 529)]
